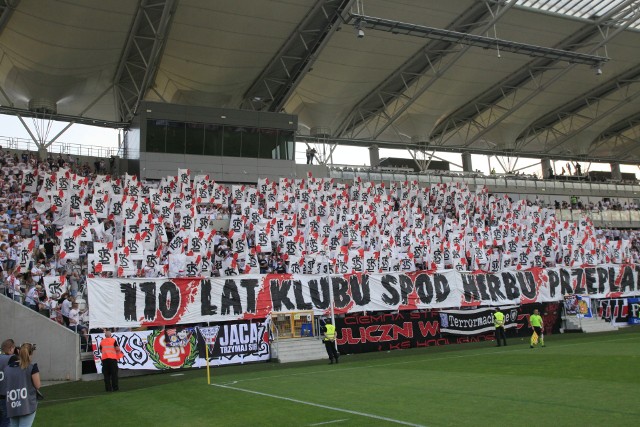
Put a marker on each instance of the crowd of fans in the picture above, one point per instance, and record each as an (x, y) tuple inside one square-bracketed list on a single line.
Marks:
[(311, 226)]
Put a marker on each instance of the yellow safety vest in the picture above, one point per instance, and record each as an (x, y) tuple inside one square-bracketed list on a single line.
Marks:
[(498, 319), (330, 334), (536, 320)]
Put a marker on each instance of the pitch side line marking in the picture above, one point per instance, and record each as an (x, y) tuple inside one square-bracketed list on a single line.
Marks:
[(379, 365), (329, 422), (70, 398), (317, 405)]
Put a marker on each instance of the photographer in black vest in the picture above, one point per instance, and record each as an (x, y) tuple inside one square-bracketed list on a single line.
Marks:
[(8, 355), (21, 384)]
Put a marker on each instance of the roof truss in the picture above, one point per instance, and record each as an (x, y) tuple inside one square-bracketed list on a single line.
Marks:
[(23, 112), (617, 134), (422, 148), (6, 10), (383, 105), (556, 128), (581, 9), (271, 90), (483, 114), (140, 57)]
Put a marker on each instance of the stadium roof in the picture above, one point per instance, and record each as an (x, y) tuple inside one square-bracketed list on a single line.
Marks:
[(555, 78)]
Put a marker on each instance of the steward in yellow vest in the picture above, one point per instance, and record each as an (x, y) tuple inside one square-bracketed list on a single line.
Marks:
[(498, 321), (330, 340)]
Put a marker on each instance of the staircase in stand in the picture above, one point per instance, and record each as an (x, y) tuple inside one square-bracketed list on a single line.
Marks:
[(589, 325), (298, 350)]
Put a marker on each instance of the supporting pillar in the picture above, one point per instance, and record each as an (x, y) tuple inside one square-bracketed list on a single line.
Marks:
[(42, 153), (374, 156), (547, 170), (615, 171), (466, 162), (114, 165)]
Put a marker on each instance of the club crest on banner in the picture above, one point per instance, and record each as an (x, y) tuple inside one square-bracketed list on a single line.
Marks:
[(165, 356), (209, 334)]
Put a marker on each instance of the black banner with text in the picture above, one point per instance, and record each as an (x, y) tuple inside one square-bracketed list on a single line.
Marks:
[(359, 333)]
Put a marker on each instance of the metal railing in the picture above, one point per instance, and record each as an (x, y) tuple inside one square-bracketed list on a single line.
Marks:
[(74, 149), (494, 182), (275, 334), (615, 218)]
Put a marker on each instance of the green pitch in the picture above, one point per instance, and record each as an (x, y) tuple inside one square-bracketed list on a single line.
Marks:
[(577, 380)]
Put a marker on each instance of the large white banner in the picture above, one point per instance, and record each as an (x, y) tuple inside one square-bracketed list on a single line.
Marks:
[(153, 302)]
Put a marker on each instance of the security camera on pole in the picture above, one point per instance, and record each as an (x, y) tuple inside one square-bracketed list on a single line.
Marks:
[(358, 24)]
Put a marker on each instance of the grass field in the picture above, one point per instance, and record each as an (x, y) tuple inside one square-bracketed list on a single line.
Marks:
[(577, 380)]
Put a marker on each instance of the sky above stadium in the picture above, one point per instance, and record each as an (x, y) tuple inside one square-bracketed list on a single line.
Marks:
[(343, 155)]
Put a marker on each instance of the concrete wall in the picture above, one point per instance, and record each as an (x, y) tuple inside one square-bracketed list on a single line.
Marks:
[(223, 169), (58, 353), (317, 171)]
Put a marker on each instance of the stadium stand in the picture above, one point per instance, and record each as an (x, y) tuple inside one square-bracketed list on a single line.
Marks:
[(63, 221)]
